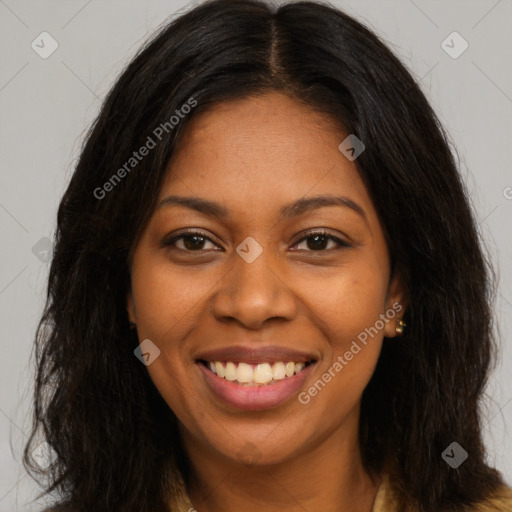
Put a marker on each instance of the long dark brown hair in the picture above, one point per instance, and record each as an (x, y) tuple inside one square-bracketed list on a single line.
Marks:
[(113, 434)]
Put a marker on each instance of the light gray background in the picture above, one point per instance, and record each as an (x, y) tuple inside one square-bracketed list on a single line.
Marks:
[(46, 105)]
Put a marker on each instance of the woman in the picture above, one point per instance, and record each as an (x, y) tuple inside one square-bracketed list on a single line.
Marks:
[(267, 289)]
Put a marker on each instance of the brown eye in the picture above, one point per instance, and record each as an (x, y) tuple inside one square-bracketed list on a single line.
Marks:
[(192, 241), (318, 240)]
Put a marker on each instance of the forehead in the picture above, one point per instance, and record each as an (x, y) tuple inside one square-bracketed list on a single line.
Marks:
[(260, 153)]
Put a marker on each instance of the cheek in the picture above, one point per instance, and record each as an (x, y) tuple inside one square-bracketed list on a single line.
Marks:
[(166, 300), (348, 309), (349, 313), (338, 387), (166, 305), (347, 303)]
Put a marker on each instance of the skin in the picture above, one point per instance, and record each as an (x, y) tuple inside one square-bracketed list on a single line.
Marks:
[(253, 156)]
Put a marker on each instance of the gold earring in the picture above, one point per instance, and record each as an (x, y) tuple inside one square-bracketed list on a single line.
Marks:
[(400, 327)]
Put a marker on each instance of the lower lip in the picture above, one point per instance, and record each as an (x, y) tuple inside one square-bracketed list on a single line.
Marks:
[(255, 398)]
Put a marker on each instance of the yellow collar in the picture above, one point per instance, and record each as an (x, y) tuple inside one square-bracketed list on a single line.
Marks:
[(383, 500), (386, 500)]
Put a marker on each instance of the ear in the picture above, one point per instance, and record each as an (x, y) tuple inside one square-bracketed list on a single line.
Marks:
[(130, 307), (396, 305)]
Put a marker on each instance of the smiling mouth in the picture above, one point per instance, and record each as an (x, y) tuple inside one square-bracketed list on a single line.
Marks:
[(262, 374)]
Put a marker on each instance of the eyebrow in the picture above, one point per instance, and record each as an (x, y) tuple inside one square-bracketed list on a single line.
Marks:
[(288, 211)]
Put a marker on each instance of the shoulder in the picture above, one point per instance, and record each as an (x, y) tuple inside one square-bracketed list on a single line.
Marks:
[(391, 497), (499, 501)]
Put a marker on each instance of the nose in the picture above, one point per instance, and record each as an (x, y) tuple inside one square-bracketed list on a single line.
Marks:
[(252, 293)]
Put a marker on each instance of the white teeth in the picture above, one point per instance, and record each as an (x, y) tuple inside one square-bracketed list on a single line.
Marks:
[(278, 371), (244, 372), (219, 368), (263, 373), (299, 367), (230, 371)]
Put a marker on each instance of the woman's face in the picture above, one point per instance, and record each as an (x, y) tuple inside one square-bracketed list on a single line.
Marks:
[(252, 294)]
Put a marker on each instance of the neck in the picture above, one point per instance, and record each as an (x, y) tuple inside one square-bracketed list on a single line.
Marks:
[(328, 476)]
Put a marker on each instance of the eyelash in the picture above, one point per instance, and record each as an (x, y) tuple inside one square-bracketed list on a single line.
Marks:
[(309, 234)]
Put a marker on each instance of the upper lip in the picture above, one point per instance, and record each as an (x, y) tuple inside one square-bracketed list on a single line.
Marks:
[(256, 355)]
